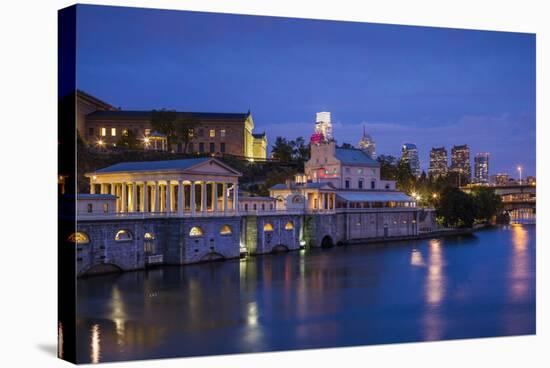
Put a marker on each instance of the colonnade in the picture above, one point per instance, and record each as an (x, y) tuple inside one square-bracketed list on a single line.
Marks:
[(324, 201), (172, 196)]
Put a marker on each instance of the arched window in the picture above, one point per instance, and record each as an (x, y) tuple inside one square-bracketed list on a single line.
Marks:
[(289, 226), (195, 231), (297, 199), (123, 235), (149, 243), (226, 230), (268, 227), (79, 238), (149, 236)]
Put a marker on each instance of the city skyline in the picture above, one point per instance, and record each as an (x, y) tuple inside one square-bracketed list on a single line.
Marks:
[(430, 86)]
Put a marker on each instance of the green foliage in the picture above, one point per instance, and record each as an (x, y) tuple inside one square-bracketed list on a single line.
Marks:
[(291, 151), (456, 208), (178, 129), (128, 140), (487, 203)]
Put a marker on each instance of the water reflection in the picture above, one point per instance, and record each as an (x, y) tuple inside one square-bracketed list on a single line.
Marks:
[(434, 291), (519, 268), (310, 299), (95, 348)]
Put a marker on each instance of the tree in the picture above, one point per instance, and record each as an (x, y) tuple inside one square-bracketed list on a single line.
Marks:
[(406, 181), (177, 128), (456, 208), (300, 152), (128, 140), (388, 167), (487, 203), (282, 150)]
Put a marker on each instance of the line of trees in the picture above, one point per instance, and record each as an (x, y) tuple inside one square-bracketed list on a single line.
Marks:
[(454, 207)]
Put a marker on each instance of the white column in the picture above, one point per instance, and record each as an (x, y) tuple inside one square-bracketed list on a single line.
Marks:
[(141, 198), (180, 198), (113, 189), (92, 186), (134, 197), (235, 197), (156, 204), (215, 197), (192, 198), (168, 198), (145, 197), (203, 196), (224, 189), (124, 205)]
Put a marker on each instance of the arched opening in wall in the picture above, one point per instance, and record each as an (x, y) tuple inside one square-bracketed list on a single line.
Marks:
[(226, 230), (289, 225), (102, 268), (327, 242), (124, 235), (280, 248), (195, 232), (268, 227), (149, 243), (212, 256), (79, 238)]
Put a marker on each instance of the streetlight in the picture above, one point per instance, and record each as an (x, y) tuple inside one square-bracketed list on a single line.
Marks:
[(519, 169)]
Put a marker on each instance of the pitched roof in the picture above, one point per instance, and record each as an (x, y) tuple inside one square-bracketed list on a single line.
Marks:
[(159, 166), (317, 185), (354, 156), (146, 115), (374, 196)]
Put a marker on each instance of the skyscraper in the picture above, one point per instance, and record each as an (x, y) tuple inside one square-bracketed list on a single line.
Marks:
[(460, 160), (323, 125), (438, 162), (409, 154), (481, 168), (367, 144)]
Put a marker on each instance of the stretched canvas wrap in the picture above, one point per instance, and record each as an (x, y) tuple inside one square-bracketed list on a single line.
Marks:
[(236, 184)]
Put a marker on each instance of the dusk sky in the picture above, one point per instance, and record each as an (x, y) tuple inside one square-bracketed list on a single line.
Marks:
[(428, 86)]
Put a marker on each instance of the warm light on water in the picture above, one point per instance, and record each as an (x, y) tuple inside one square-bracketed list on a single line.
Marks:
[(95, 348), (447, 288)]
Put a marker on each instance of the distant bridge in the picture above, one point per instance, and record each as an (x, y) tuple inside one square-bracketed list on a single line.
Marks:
[(518, 201)]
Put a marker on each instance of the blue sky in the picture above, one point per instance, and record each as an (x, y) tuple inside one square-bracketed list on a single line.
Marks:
[(425, 85)]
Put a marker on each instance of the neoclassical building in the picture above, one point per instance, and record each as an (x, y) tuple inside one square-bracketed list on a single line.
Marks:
[(189, 187)]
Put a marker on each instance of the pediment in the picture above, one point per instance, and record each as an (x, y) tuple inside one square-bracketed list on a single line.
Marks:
[(213, 167)]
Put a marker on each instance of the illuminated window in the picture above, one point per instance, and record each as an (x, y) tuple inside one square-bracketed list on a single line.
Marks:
[(359, 171), (113, 132), (222, 133), (103, 132), (105, 207), (191, 132), (226, 230), (123, 235), (147, 132), (195, 231), (149, 236), (79, 238), (212, 133), (268, 227), (289, 226)]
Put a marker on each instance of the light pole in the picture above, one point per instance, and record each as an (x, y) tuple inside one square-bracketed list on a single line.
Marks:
[(519, 169)]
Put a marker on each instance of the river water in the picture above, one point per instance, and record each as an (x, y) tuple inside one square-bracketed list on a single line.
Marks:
[(457, 287)]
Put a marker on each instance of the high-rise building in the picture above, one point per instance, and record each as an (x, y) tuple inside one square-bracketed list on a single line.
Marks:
[(500, 179), (409, 154), (438, 162), (481, 168), (323, 125), (460, 160), (367, 145)]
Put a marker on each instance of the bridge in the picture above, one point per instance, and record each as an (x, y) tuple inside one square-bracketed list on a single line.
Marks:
[(518, 201)]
